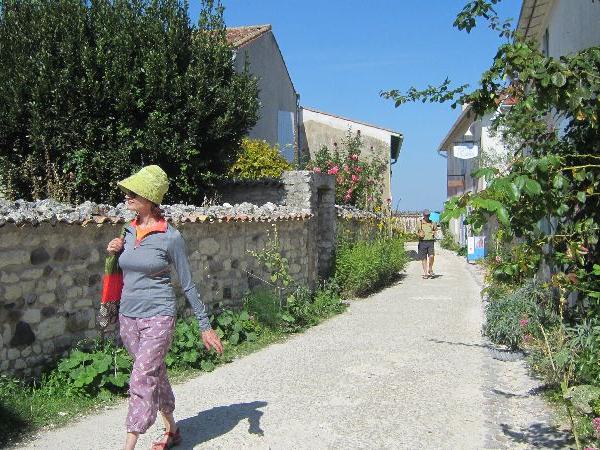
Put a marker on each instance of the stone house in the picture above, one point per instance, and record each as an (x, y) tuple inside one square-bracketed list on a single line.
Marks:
[(257, 47), (318, 129)]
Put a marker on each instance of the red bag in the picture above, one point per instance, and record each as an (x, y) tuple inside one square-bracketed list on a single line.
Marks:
[(112, 287)]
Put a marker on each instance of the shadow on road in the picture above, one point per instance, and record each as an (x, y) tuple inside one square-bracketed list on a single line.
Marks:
[(218, 421), (539, 435)]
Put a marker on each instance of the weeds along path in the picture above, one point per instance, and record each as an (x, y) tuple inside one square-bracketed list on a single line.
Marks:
[(405, 368)]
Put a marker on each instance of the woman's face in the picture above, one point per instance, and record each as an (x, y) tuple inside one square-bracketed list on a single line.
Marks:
[(138, 204)]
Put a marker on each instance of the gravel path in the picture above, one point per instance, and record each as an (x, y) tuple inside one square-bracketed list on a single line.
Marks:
[(404, 369)]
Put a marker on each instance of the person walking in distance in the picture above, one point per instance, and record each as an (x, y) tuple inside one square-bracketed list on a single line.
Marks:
[(148, 304), (426, 250)]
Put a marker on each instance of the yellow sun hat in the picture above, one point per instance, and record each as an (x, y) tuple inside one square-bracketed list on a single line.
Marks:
[(150, 182)]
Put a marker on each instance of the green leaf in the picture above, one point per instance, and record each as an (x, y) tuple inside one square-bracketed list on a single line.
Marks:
[(207, 365), (558, 182), (287, 317), (251, 337), (521, 180), (244, 316), (234, 338), (502, 215), (558, 79), (581, 196), (532, 187), (562, 210)]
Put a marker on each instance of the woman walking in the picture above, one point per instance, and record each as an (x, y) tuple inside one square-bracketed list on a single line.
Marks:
[(426, 247), (148, 306)]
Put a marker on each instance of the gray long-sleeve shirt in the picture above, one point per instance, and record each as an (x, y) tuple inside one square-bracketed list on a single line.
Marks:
[(147, 287)]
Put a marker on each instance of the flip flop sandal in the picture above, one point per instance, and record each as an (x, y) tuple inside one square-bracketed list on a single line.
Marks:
[(173, 439)]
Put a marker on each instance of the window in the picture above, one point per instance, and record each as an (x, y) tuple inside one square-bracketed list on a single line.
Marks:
[(285, 134), (546, 43)]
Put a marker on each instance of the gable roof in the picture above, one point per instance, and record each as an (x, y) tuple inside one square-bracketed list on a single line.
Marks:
[(240, 36), (352, 120), (533, 17)]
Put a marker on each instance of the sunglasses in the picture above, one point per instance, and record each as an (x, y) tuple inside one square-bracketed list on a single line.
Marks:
[(130, 194)]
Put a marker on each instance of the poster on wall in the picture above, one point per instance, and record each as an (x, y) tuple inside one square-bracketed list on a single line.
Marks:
[(475, 248), (465, 150)]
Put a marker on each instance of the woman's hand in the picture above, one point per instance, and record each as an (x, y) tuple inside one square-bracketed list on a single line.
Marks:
[(115, 246), (211, 340)]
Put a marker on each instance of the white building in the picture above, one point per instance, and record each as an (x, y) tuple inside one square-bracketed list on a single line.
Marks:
[(469, 145), (278, 122), (560, 27)]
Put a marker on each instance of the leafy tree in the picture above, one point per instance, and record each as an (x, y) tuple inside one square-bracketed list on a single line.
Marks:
[(92, 90), (549, 197)]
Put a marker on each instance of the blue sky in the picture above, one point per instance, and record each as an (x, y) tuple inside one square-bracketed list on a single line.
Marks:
[(342, 53)]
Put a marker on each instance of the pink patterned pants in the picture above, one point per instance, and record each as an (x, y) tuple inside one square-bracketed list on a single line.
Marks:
[(147, 340)]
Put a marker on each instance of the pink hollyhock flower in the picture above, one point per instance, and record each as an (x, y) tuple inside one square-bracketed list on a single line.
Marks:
[(590, 448), (346, 168), (349, 192), (523, 322), (355, 178), (596, 425), (358, 169), (317, 170), (334, 170), (527, 338), (354, 157), (347, 197)]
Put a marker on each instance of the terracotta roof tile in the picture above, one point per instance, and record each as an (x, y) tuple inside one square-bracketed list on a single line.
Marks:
[(240, 36)]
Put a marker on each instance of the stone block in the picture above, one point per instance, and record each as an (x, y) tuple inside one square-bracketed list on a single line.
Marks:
[(66, 280), (32, 274), (79, 320), (61, 254), (13, 354), (39, 256), (26, 352), (7, 278), (14, 257), (51, 284), (32, 316), (37, 348), (209, 246), (84, 303), (47, 298), (94, 256), (51, 328), (12, 292), (19, 364)]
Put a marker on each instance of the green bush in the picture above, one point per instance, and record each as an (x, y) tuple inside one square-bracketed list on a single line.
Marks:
[(257, 160), (88, 371), (187, 349), (298, 310), (363, 266), (90, 91), (510, 316)]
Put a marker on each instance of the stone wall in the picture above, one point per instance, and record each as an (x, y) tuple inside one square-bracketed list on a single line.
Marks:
[(51, 263)]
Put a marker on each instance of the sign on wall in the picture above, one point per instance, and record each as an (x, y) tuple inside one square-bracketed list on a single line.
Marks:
[(465, 150)]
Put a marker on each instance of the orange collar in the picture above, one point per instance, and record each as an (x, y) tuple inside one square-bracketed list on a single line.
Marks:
[(142, 232)]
